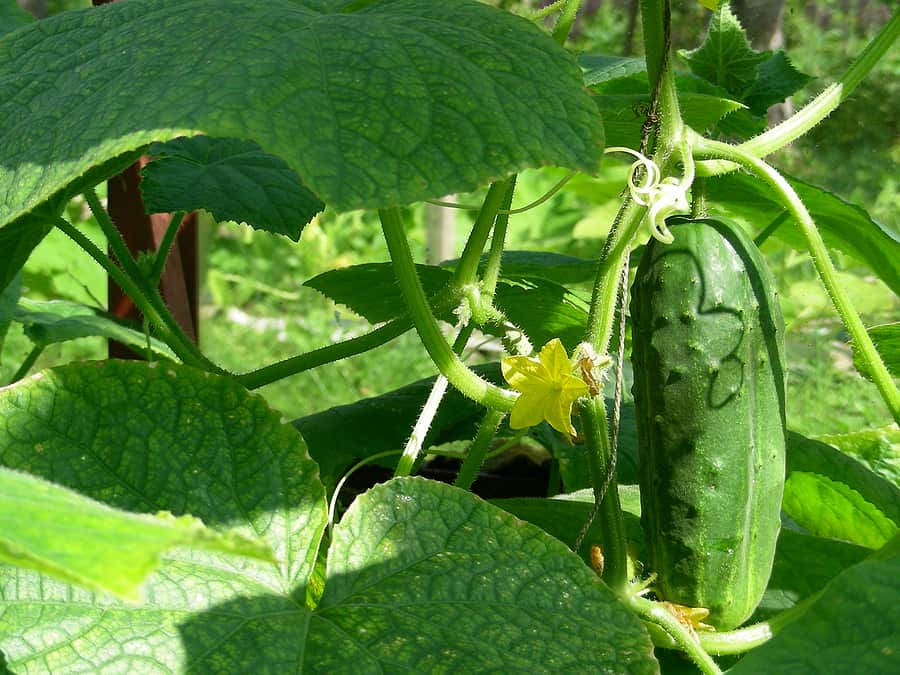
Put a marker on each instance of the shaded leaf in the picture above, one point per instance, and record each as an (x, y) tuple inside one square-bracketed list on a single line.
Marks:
[(599, 68), (725, 58), (440, 580), (145, 439), (777, 79), (17, 241), (844, 226), (400, 100), (57, 531), (563, 269), (803, 565), (887, 341), (877, 449), (827, 508), (232, 179), (805, 454), (9, 298), (851, 627), (49, 322)]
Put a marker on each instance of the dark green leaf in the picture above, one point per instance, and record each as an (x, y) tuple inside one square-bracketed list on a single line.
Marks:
[(805, 454), (541, 308), (230, 178), (393, 103), (341, 435), (887, 341), (844, 226), (725, 58), (424, 577), (803, 565), (851, 628), (563, 517), (877, 449), (9, 298), (48, 322), (827, 508), (778, 79), (56, 531), (563, 269), (12, 16), (145, 438)]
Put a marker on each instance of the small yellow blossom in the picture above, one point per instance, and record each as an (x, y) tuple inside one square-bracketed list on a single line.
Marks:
[(547, 387)]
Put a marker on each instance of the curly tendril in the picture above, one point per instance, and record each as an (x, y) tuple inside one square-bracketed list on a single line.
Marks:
[(663, 197)]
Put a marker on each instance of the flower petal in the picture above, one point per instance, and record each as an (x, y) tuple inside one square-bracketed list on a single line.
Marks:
[(528, 410), (525, 374), (554, 358)]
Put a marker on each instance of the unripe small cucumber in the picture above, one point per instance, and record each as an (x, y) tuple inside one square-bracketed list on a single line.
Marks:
[(709, 382)]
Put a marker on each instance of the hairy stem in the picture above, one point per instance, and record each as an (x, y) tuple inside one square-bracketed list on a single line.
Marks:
[(467, 268), (566, 20), (461, 377), (821, 259), (159, 262), (26, 365), (487, 431)]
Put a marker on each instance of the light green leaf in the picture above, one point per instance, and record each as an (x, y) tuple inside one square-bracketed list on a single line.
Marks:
[(725, 58), (806, 454), (563, 269), (887, 341), (425, 577), (57, 531), (827, 508), (230, 178), (851, 627), (12, 16), (382, 105), (844, 226), (148, 438), (599, 68), (877, 449), (49, 322), (17, 241)]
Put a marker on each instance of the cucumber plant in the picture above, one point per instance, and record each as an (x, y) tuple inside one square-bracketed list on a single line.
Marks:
[(159, 516)]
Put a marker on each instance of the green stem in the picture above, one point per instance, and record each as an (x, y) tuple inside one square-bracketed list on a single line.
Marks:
[(162, 254), (596, 441), (331, 353), (769, 229), (684, 639), (822, 261), (566, 19), (467, 269), (498, 240), (487, 431), (147, 300), (183, 348), (28, 362), (461, 377), (429, 410), (819, 108)]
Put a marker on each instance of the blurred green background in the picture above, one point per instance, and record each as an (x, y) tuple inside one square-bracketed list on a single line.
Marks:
[(254, 309)]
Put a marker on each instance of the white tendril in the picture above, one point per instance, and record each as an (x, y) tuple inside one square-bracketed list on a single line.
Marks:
[(663, 197)]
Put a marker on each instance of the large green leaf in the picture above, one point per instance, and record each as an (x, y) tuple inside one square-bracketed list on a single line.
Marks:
[(851, 628), (48, 322), (147, 439), (230, 178), (844, 226), (17, 241), (878, 449), (372, 104), (563, 269), (805, 454), (423, 577), (828, 508), (56, 531), (803, 565)]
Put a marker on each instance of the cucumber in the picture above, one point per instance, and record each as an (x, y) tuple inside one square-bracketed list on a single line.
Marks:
[(709, 383)]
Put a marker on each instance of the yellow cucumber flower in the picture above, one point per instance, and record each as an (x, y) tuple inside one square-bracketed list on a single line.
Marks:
[(547, 387)]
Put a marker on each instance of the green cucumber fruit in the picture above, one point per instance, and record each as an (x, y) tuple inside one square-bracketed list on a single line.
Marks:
[(709, 383)]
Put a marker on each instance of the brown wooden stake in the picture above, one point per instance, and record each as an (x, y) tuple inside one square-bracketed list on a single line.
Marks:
[(142, 232)]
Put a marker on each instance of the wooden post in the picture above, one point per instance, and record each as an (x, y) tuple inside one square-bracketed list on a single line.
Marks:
[(142, 232)]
